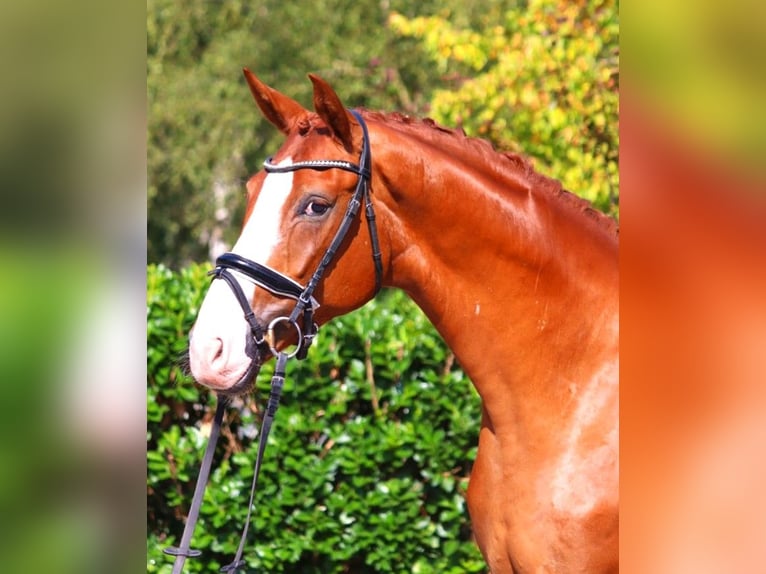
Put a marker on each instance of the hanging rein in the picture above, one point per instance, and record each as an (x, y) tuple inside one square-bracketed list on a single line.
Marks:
[(283, 286)]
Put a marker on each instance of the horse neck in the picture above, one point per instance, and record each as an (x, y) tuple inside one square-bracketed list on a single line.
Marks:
[(504, 268)]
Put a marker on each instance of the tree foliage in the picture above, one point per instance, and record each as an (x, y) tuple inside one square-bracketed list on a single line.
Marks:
[(539, 77), (205, 133), (543, 81)]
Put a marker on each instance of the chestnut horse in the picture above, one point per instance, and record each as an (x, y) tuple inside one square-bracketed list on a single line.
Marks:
[(519, 276)]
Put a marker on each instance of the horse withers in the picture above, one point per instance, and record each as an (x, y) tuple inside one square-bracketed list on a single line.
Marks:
[(519, 276)]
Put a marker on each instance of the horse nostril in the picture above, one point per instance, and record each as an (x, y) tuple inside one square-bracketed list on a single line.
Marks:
[(215, 352)]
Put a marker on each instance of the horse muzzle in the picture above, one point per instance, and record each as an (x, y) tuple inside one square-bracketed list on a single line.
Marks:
[(225, 365)]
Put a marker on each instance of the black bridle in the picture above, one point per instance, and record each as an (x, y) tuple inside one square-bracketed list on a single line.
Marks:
[(283, 286), (279, 284)]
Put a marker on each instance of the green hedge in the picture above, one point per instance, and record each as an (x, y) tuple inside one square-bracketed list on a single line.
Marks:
[(367, 463)]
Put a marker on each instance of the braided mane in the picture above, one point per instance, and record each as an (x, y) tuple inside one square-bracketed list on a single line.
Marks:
[(517, 164)]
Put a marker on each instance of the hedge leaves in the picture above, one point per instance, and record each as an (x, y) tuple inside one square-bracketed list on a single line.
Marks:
[(367, 463)]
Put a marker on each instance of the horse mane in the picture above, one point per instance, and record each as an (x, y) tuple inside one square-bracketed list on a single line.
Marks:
[(517, 164)]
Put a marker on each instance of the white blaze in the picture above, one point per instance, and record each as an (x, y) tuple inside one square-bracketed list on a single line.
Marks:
[(261, 233), (217, 345)]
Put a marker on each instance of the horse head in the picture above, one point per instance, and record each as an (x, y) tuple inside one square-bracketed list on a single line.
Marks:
[(291, 251)]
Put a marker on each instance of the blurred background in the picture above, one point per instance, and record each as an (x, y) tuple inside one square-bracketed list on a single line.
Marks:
[(693, 275), (72, 295), (86, 85)]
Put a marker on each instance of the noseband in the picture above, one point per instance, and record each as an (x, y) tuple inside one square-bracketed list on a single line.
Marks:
[(279, 284), (305, 304)]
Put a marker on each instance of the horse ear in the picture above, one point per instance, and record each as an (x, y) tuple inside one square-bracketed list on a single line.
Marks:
[(329, 107), (280, 110)]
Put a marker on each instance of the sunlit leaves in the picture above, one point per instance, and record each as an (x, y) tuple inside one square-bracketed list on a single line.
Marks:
[(543, 82)]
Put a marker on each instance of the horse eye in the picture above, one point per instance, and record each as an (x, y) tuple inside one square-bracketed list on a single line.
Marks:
[(316, 208)]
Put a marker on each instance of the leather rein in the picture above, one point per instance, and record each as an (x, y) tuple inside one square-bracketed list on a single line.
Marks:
[(283, 286)]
